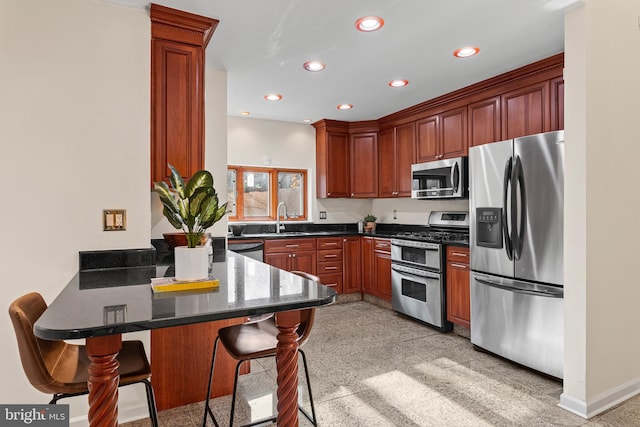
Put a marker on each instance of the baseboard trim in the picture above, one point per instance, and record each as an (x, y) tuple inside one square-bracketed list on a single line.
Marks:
[(601, 402), (125, 414)]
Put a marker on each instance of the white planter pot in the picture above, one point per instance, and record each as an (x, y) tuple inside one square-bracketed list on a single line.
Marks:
[(191, 263)]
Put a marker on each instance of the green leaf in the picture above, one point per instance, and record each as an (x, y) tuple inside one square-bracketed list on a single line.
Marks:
[(198, 201), (173, 218), (200, 179), (207, 218), (176, 181)]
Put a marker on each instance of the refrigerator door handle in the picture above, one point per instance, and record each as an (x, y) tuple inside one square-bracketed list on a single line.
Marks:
[(455, 177), (526, 289), (518, 241), (505, 221)]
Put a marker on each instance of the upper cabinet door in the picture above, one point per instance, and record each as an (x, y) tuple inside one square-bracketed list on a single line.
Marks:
[(364, 164), (178, 42), (337, 165), (453, 125), (387, 163), (332, 159), (428, 141), (525, 111), (177, 110), (405, 157), (557, 103), (484, 121)]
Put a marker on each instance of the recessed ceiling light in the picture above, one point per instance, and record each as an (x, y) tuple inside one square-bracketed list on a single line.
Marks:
[(369, 23), (313, 66), (244, 113), (307, 120), (273, 97), (465, 52), (398, 83), (345, 107)]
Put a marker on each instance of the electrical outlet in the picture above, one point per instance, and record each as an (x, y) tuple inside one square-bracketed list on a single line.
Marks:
[(323, 214), (114, 219), (395, 214), (115, 314)]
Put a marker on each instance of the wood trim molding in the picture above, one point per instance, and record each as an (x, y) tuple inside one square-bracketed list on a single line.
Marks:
[(544, 69), (179, 26)]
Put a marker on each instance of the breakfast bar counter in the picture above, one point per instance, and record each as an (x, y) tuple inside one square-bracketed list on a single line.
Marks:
[(103, 304)]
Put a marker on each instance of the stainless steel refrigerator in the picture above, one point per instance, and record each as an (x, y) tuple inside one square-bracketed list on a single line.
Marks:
[(516, 225)]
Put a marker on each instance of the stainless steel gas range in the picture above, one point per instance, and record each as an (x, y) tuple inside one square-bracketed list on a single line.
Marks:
[(417, 267)]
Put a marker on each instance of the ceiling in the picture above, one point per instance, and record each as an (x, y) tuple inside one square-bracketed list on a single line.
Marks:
[(262, 45)]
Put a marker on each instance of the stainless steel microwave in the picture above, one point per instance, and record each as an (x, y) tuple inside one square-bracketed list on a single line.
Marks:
[(440, 179)]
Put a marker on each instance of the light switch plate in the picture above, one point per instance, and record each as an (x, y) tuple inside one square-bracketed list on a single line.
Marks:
[(323, 214), (114, 219)]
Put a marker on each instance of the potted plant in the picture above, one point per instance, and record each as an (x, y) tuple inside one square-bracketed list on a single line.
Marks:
[(370, 223), (193, 208)]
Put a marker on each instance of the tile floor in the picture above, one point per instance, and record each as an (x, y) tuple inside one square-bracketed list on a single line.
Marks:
[(372, 367)]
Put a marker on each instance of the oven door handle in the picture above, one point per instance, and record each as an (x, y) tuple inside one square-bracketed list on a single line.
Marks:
[(530, 290), (434, 248), (426, 275)]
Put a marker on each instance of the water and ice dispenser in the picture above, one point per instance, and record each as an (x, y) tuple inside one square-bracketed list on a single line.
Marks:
[(489, 227)]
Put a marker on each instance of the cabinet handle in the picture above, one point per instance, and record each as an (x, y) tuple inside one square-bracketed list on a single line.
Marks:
[(293, 255), (331, 285), (331, 268), (331, 256), (291, 246), (328, 194), (460, 254), (352, 194), (460, 266)]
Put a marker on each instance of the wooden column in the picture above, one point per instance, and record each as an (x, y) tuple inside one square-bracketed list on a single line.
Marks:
[(287, 365), (103, 380)]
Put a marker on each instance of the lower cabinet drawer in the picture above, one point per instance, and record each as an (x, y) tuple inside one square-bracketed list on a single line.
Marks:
[(333, 280), (330, 267)]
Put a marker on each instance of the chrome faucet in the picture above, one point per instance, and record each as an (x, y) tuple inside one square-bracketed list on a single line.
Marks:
[(278, 216)]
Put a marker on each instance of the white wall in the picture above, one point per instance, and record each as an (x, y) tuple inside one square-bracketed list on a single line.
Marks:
[(74, 135), (601, 237)]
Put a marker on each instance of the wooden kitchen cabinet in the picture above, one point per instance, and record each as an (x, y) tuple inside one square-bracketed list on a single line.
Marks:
[(330, 262), (396, 154), (291, 254), (352, 266), (184, 352), (526, 111), (363, 152), (442, 135), (557, 103), (458, 291), (376, 267), (178, 43), (484, 121), (382, 266), (333, 178), (368, 284)]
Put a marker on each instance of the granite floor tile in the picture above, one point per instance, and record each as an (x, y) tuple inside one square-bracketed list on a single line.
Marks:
[(370, 366)]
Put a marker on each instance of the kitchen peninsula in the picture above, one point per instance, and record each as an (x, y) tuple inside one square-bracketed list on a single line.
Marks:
[(102, 304)]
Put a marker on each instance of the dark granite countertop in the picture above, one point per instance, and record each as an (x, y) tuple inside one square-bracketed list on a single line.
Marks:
[(383, 231), (105, 301)]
